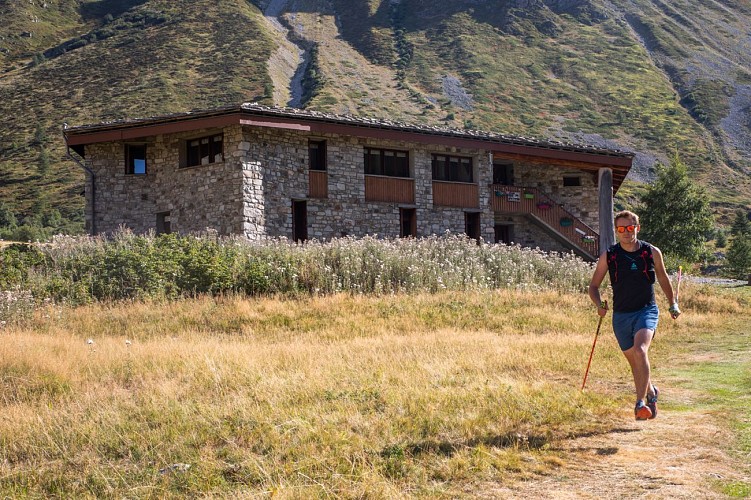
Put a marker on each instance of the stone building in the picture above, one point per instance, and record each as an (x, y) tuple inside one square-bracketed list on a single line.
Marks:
[(260, 171)]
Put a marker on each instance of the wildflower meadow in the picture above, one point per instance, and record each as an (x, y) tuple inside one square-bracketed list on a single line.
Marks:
[(126, 266)]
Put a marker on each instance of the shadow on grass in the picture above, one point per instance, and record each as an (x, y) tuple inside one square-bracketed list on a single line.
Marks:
[(511, 440), (449, 448)]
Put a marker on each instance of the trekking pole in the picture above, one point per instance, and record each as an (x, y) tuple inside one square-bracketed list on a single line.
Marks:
[(597, 334), (674, 314)]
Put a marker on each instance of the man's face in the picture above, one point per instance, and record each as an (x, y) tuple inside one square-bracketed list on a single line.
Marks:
[(629, 227)]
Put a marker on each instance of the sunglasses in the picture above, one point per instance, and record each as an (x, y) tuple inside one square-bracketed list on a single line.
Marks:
[(630, 229)]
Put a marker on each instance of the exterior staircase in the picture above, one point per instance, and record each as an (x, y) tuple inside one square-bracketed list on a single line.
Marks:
[(547, 214)]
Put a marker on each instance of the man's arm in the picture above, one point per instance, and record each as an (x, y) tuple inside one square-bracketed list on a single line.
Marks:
[(594, 285), (664, 280)]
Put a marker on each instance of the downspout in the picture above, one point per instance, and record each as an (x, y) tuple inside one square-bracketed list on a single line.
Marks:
[(91, 176)]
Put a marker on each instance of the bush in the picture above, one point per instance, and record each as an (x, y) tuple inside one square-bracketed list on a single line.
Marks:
[(16, 261), (82, 269)]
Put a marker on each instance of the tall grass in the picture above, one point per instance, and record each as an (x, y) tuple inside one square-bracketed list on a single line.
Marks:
[(327, 396), (349, 395), (79, 270)]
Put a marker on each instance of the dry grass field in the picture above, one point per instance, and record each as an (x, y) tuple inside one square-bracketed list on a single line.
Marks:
[(445, 395)]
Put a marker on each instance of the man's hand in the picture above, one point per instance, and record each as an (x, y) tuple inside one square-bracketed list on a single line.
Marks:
[(602, 310), (674, 311)]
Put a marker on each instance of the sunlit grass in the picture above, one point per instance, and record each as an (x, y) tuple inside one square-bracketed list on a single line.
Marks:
[(397, 395)]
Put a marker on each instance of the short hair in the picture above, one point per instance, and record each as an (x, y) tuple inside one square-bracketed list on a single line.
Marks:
[(626, 213)]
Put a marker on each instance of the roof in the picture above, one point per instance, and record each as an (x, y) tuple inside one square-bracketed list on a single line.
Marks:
[(254, 114)]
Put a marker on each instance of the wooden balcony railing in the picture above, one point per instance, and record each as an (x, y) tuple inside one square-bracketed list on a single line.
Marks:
[(455, 194), (318, 184), (391, 189), (535, 203)]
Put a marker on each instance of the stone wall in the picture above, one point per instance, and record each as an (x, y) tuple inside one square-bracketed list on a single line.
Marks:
[(251, 192), (276, 172), (197, 198)]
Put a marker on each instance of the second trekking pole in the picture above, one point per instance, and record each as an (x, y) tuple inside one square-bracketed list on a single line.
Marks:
[(597, 334)]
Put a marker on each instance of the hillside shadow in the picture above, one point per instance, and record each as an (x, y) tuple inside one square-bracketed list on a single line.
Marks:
[(97, 10)]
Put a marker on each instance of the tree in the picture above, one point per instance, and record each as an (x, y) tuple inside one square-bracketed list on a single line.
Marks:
[(675, 213), (741, 224), (52, 219), (7, 217), (43, 167), (40, 135), (721, 240), (739, 257)]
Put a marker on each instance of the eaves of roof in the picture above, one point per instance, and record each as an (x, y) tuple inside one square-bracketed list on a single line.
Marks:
[(253, 114)]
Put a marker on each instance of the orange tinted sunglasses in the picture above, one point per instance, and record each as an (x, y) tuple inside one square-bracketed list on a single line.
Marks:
[(630, 229)]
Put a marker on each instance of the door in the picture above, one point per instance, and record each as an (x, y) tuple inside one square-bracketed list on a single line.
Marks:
[(408, 222), (472, 225), (503, 233), (163, 224), (299, 220)]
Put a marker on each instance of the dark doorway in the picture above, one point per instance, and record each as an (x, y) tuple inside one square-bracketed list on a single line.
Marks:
[(408, 222), (299, 221), (503, 233), (472, 225), (163, 225), (503, 173)]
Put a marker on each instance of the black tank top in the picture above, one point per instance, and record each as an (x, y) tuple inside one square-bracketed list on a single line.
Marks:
[(632, 276)]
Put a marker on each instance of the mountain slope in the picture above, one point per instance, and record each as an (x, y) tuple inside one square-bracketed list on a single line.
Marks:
[(161, 57), (640, 74)]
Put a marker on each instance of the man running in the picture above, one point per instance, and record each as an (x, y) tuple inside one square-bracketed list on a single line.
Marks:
[(633, 266)]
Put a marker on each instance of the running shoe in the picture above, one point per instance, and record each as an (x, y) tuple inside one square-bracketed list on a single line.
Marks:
[(652, 401), (642, 411)]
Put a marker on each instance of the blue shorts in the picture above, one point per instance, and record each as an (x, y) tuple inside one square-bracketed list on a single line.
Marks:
[(626, 324)]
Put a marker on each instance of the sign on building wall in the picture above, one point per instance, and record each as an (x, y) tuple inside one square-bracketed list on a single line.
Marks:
[(514, 196)]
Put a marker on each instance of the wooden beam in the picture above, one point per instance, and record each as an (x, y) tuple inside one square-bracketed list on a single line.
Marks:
[(593, 165), (139, 132)]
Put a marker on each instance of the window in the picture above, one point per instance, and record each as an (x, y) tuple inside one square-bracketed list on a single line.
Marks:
[(386, 162), (317, 155), (205, 150), (572, 180), (135, 159), (408, 222), (452, 168), (503, 173)]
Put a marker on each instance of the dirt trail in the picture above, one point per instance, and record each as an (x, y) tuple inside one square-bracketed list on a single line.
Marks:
[(673, 456)]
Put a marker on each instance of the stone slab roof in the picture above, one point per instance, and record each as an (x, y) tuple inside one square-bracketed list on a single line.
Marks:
[(305, 115)]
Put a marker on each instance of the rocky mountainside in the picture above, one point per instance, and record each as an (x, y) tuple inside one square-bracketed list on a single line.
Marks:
[(652, 76)]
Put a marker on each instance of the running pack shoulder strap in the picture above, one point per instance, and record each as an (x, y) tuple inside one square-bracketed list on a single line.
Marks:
[(645, 255)]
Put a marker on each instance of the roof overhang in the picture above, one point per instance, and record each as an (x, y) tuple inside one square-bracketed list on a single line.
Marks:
[(502, 147)]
